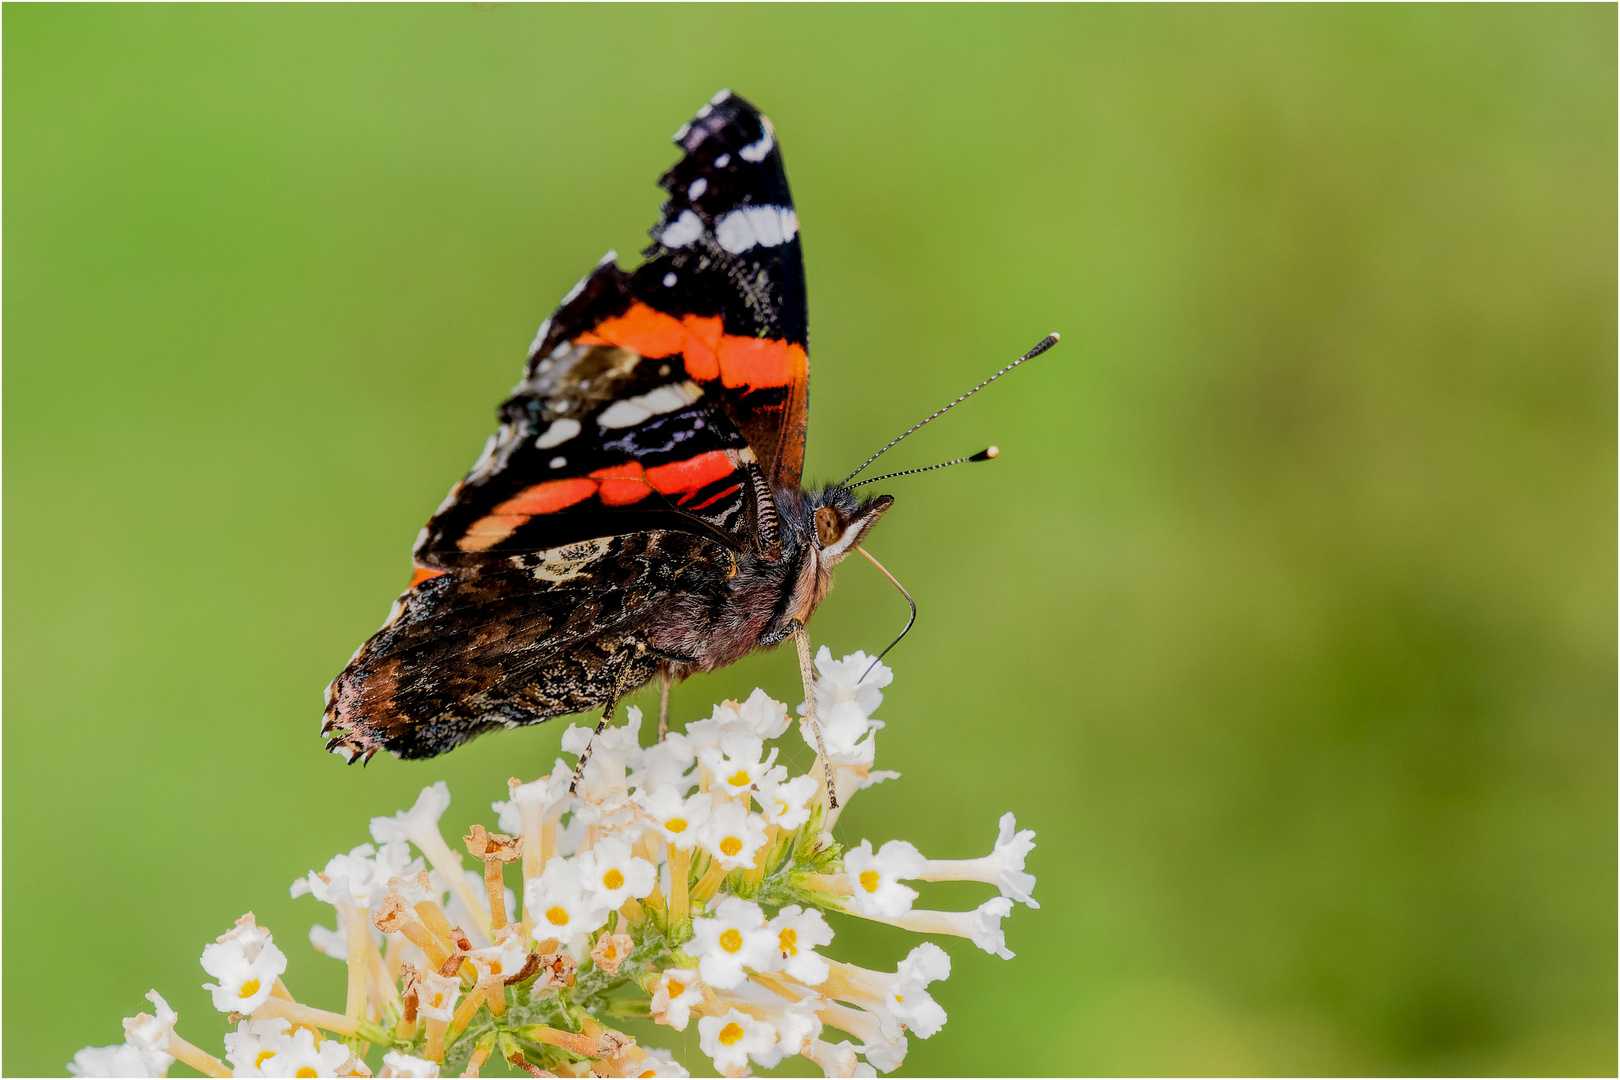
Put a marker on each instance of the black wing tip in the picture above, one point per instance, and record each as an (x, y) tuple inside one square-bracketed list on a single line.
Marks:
[(724, 110)]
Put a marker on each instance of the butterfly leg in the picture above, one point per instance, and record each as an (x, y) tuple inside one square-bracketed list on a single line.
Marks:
[(663, 707), (585, 755), (801, 638)]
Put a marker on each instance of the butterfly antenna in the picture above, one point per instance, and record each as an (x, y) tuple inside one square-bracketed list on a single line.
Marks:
[(1045, 343), (986, 454), (909, 622)]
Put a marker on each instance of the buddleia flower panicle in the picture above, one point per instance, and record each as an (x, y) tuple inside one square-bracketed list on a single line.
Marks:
[(688, 883)]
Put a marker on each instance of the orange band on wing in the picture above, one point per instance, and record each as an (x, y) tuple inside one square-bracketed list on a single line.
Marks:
[(548, 497), (622, 484), (737, 360), (423, 574), (761, 362), (615, 485), (691, 474)]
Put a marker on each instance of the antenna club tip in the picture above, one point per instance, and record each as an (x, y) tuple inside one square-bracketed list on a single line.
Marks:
[(1055, 336), (986, 454)]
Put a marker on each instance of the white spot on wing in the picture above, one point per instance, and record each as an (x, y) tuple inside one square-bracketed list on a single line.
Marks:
[(560, 431), (719, 97), (609, 257), (722, 161), (681, 134), (682, 231), (666, 398), (697, 188), (765, 226), (558, 462), (669, 280), (573, 294), (539, 336), (704, 110), (756, 151)]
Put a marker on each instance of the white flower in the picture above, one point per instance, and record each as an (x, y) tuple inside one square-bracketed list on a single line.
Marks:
[(664, 764), (982, 925), (733, 939), (150, 1033), (533, 804), (731, 1039), (847, 732), (399, 1063), (786, 804), (420, 825), (843, 681), (798, 1028), (118, 1061), (764, 716), (674, 997), (615, 874), (798, 934), (675, 818), (247, 964), (561, 903), (732, 835), (613, 753), (1003, 867), (420, 822), (298, 1054), (908, 998), (737, 763), (654, 1065), (875, 879), (503, 959), (436, 995), (360, 877), (839, 1060), (253, 1043)]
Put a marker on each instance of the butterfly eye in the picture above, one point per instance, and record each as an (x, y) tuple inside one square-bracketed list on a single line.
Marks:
[(829, 526)]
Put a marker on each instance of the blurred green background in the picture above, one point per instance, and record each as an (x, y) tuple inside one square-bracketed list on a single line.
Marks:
[(1287, 617)]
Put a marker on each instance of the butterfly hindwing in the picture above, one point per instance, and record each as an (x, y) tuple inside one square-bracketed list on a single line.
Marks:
[(545, 634)]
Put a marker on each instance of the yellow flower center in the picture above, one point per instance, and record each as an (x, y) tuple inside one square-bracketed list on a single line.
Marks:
[(613, 879), (649, 1072), (676, 824), (676, 988), (739, 778), (249, 988), (494, 967), (556, 916), (730, 845), (731, 940), (899, 999), (731, 1033), (264, 1056), (870, 880), (306, 1071), (790, 942)]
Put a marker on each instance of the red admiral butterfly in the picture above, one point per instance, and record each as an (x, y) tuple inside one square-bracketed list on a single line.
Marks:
[(638, 512)]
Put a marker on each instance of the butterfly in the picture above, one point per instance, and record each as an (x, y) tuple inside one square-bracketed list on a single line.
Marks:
[(639, 513)]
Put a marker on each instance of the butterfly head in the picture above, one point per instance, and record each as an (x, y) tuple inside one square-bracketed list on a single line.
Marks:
[(838, 519)]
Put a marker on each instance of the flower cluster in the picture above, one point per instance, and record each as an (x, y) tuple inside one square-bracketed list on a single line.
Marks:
[(685, 882)]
